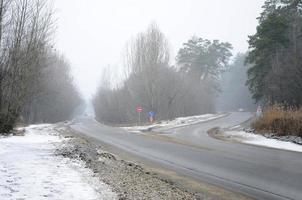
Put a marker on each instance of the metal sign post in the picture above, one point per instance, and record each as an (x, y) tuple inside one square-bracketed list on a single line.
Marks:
[(139, 109)]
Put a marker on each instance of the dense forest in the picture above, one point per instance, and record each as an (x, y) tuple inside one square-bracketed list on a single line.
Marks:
[(35, 83), (275, 54), (275, 59)]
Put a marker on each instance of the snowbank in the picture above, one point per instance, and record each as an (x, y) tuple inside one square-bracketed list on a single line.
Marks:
[(29, 169), (176, 123), (260, 140)]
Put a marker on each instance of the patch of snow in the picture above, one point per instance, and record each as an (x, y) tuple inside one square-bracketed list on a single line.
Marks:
[(29, 169), (176, 123), (38, 126), (260, 140), (235, 127)]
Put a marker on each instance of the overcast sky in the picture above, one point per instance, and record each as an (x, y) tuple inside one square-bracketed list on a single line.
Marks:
[(92, 34)]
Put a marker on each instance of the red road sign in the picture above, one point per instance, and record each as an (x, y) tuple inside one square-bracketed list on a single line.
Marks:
[(139, 109)]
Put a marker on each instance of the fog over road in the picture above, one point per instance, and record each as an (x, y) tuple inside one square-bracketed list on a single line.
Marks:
[(259, 172)]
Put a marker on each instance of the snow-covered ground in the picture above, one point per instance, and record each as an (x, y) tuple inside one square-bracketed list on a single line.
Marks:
[(176, 123), (30, 170), (260, 140)]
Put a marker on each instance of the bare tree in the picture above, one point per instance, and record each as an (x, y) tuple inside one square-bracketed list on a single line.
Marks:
[(153, 84), (26, 31)]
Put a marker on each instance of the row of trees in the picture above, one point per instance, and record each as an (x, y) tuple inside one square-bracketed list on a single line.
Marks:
[(276, 54), (32, 75), (53, 96), (151, 82)]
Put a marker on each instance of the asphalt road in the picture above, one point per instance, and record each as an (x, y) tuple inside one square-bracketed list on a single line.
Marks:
[(259, 172)]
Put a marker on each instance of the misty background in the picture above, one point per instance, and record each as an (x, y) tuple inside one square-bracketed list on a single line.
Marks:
[(171, 58), (108, 25)]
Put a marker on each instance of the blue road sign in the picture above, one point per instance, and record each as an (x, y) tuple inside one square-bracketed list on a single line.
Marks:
[(151, 114)]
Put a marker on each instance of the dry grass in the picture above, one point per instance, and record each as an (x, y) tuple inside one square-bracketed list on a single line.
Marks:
[(280, 120)]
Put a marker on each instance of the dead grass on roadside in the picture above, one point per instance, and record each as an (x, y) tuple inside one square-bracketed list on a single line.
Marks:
[(280, 120)]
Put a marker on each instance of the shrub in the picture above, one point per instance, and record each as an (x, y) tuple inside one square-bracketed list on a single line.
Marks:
[(280, 120)]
